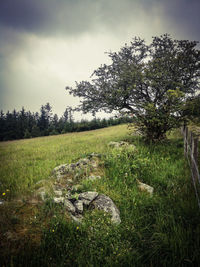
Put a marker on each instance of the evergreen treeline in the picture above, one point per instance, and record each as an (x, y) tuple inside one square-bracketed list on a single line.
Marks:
[(24, 124)]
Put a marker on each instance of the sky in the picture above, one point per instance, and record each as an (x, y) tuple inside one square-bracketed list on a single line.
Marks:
[(46, 45)]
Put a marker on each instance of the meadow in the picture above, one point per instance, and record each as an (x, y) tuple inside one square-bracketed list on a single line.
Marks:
[(25, 162), (162, 230)]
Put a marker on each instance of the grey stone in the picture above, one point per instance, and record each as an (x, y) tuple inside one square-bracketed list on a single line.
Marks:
[(145, 188), (78, 204), (122, 145), (69, 206), (58, 199), (88, 197), (68, 194), (84, 161), (95, 155), (106, 204), (73, 166), (58, 193), (113, 144), (94, 164), (61, 170)]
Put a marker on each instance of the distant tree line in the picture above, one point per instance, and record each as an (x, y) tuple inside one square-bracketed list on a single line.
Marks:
[(26, 124)]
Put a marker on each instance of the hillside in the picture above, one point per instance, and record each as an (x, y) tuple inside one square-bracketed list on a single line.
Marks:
[(155, 230)]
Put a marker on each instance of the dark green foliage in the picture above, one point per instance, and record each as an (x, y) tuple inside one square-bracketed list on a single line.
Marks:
[(27, 134), (35, 131), (192, 109), (152, 82), (23, 124)]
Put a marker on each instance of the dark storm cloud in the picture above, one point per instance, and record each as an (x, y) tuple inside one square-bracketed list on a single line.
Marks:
[(63, 16), (22, 14), (184, 14), (49, 16), (71, 17)]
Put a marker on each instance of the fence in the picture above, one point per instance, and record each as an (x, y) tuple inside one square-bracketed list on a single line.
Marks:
[(191, 152)]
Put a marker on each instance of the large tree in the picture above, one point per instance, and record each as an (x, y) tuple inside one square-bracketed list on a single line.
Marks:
[(149, 81)]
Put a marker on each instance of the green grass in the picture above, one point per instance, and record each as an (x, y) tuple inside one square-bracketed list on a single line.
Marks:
[(162, 230), (25, 162)]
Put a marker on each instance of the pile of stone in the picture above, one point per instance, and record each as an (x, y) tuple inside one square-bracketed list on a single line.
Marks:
[(89, 200), (78, 168), (68, 193)]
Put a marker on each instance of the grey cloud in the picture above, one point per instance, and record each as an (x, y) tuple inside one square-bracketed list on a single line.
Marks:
[(69, 17), (184, 16), (48, 16), (73, 17), (21, 14)]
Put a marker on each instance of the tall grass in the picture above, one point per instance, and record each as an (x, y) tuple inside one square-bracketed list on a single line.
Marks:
[(162, 230)]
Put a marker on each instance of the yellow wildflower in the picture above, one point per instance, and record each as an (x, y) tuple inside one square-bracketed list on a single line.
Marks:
[(3, 194)]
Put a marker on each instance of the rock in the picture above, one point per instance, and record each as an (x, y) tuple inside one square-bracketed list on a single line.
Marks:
[(83, 161), (61, 170), (72, 166), (58, 199), (106, 204), (58, 193), (78, 204), (94, 155), (94, 164), (88, 197), (68, 195), (69, 206), (123, 146), (113, 144), (145, 188)]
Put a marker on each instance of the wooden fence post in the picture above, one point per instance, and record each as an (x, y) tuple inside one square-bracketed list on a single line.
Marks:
[(185, 140), (191, 142), (195, 158)]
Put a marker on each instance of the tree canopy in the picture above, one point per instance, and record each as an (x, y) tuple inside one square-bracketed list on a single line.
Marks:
[(152, 82)]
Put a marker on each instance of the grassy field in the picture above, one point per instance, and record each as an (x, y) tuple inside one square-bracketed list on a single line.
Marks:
[(162, 230), (25, 162)]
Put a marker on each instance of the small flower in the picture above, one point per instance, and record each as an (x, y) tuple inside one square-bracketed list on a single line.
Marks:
[(77, 228), (53, 230), (3, 194), (7, 190)]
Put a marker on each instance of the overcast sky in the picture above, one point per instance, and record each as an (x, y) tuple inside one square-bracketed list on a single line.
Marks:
[(46, 45)]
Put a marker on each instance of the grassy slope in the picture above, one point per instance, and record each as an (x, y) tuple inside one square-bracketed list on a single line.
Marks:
[(24, 162), (163, 230)]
